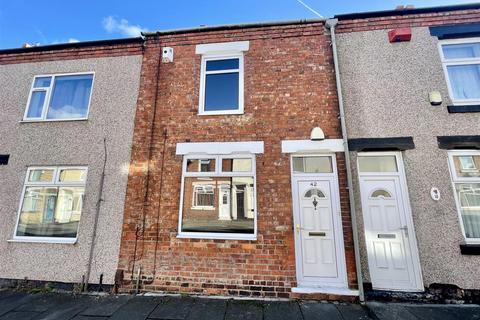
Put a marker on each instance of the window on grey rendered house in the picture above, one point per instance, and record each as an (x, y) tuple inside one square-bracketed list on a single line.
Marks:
[(59, 97), (465, 173), (52, 202), (218, 197), (461, 64)]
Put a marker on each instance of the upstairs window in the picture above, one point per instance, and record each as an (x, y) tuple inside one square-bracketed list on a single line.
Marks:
[(59, 97), (461, 64), (221, 78), (465, 172)]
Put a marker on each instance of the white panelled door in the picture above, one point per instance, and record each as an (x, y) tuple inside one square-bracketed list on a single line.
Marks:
[(316, 231), (392, 252)]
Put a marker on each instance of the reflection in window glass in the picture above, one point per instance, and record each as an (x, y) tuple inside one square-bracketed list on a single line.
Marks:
[(236, 165), (468, 195), (72, 175), (49, 209), (41, 175), (35, 108), (42, 82), (467, 165), (226, 205), (461, 50), (377, 164), (312, 164), (50, 212), (464, 81), (200, 165), (70, 97)]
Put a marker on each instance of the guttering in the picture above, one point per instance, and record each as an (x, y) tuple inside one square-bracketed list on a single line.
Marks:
[(233, 26), (331, 23), (74, 45), (402, 12)]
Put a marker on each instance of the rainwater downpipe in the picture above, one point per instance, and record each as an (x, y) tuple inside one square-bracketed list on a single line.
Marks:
[(331, 23)]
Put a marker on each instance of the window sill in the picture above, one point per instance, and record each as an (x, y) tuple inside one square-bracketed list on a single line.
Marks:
[(470, 248), (463, 108), (44, 240), (220, 113), (203, 208), (210, 236), (52, 120)]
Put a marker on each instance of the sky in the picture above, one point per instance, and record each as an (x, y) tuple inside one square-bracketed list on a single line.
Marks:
[(57, 21)]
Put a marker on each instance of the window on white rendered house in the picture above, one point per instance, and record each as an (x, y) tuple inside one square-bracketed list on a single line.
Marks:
[(218, 201), (461, 64), (221, 84), (59, 97), (465, 172), (52, 202)]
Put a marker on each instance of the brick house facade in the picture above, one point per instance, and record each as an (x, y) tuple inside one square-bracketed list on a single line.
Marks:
[(289, 88)]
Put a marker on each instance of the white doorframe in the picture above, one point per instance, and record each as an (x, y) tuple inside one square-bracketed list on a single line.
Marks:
[(412, 239), (341, 280)]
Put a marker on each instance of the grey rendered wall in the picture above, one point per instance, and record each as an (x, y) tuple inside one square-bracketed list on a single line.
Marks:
[(111, 116), (386, 90)]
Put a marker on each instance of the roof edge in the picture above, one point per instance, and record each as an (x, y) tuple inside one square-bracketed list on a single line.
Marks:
[(232, 26), (60, 46), (386, 13)]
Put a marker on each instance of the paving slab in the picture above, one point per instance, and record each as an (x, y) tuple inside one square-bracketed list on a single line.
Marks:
[(105, 306), (444, 312), (353, 311), (391, 311), (244, 310), (282, 310), (312, 310), (13, 301), (67, 310), (15, 315), (80, 317), (42, 302), (173, 308), (211, 309), (137, 308)]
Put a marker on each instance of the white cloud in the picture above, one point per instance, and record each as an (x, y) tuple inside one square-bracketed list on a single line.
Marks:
[(73, 40), (122, 26)]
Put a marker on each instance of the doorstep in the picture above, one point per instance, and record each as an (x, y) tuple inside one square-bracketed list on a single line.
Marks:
[(326, 290)]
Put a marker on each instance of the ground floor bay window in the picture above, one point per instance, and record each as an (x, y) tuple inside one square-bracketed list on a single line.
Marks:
[(218, 195), (465, 172), (51, 204)]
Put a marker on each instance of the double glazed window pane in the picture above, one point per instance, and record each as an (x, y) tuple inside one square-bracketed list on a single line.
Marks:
[(41, 175), (461, 51), (200, 165), (236, 165), (467, 166), (377, 164), (312, 164), (464, 81), (221, 91), (70, 97), (50, 212), (218, 205), (222, 85), (37, 101), (469, 197)]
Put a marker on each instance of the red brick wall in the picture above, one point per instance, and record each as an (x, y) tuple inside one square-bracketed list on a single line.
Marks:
[(289, 89), (409, 20), (94, 51)]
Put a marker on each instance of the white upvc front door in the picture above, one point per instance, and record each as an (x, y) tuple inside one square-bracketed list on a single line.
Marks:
[(320, 257), (389, 234)]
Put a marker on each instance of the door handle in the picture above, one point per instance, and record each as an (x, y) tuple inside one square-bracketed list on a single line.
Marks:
[(298, 228)]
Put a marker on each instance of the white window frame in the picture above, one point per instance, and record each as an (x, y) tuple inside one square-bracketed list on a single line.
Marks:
[(49, 89), (54, 183), (218, 173), (194, 198), (457, 62), (456, 179), (203, 76)]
